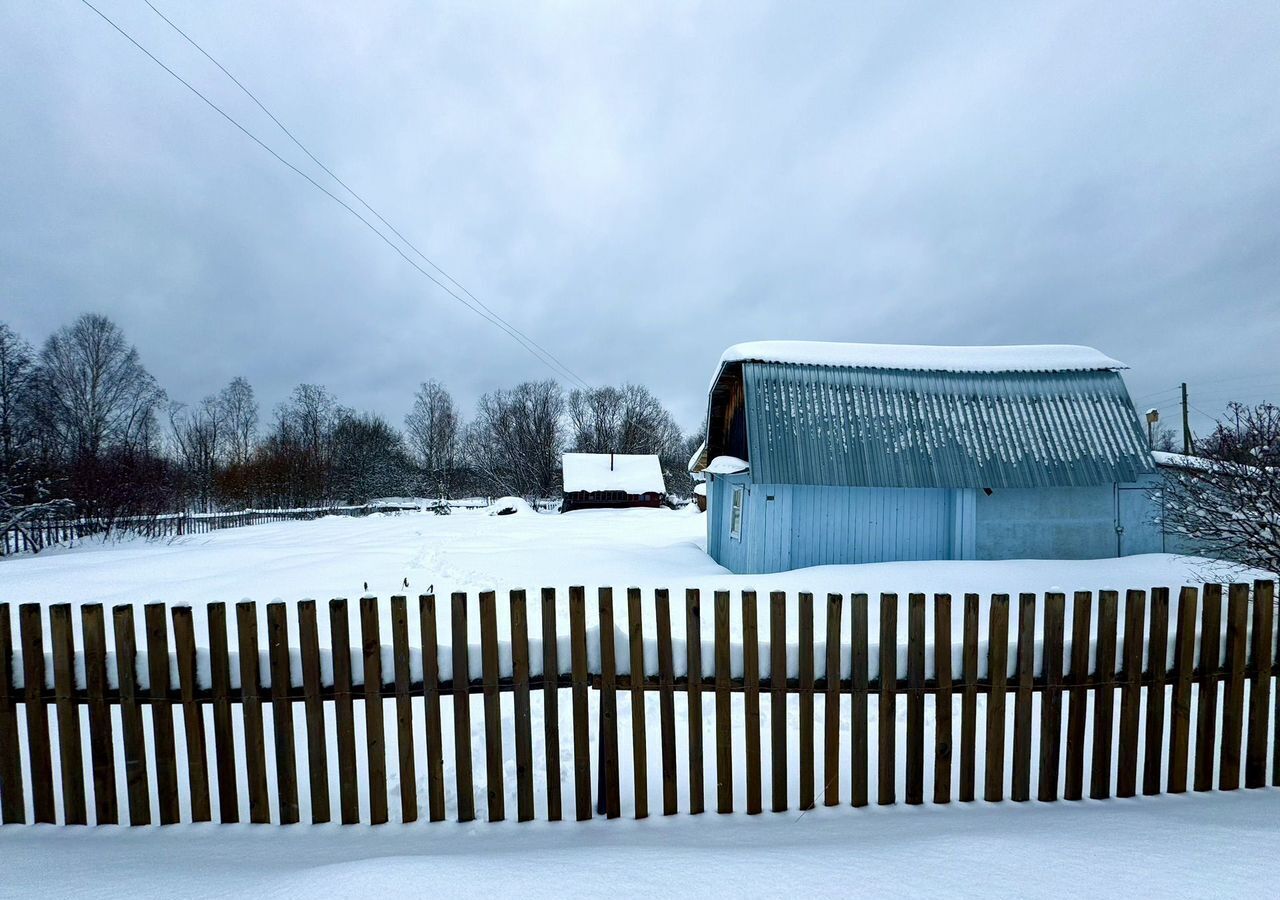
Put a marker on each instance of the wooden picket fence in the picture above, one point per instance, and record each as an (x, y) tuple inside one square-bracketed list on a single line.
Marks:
[(1064, 674)]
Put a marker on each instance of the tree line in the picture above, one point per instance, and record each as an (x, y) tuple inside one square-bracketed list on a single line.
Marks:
[(86, 429)]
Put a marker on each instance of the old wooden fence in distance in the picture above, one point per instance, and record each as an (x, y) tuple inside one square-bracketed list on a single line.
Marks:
[(1149, 751), (34, 535)]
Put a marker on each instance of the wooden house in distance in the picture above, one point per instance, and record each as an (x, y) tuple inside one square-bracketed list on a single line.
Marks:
[(826, 453), (612, 481)]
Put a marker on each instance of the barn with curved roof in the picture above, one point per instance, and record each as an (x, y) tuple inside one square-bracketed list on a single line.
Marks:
[(821, 453)]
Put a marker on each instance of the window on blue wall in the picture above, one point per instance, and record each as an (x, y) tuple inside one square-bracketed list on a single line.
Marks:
[(735, 514)]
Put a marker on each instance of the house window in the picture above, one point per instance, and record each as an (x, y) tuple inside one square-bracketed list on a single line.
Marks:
[(735, 514)]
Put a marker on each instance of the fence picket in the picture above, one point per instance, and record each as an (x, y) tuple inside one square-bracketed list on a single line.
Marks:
[(404, 709), (693, 647), (1260, 684), (135, 752), (581, 725), (858, 721), (969, 700), (251, 708), (494, 787), (1051, 699), (1275, 715), (374, 727), (886, 787), (523, 711), (1184, 653), (831, 712), (1207, 679), (1077, 714), (639, 744), (1131, 693), (915, 699), (184, 641), (609, 801), (1157, 660), (162, 713), (39, 750), (462, 710), (806, 701), (224, 748), (997, 675), (666, 700), (344, 712), (102, 751), (551, 703), (64, 687), (282, 714), (942, 698), (313, 704), (13, 809), (724, 722), (1021, 785), (431, 703), (1104, 696), (751, 699), (1233, 697), (778, 698)]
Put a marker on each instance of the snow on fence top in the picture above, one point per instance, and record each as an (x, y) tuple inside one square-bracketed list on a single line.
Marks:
[(631, 473), (921, 357)]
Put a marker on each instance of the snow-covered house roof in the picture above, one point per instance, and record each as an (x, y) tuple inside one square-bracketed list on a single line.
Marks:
[(630, 473), (926, 358), (899, 416)]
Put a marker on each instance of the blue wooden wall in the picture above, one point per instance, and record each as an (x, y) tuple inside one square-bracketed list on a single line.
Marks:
[(795, 526)]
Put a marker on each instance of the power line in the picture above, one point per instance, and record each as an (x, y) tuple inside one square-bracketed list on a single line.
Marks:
[(490, 317), (1172, 390), (252, 96)]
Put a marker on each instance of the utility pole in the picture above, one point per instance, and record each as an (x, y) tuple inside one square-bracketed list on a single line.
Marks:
[(1186, 422)]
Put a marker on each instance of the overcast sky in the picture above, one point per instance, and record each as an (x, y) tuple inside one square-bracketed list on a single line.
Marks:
[(637, 186)]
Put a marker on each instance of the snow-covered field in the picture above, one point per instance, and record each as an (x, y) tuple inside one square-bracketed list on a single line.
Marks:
[(1120, 847), (471, 550)]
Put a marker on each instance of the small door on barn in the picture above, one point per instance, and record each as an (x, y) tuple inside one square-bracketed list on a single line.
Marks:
[(1138, 525)]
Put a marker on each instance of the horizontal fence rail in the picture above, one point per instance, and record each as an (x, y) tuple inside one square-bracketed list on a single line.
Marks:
[(1053, 678), (36, 535)]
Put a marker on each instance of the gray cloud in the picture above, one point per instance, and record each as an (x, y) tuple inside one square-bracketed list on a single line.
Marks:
[(638, 186)]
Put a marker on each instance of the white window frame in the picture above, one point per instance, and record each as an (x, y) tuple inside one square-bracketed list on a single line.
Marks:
[(736, 503)]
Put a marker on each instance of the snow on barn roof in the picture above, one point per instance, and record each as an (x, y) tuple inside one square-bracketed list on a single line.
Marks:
[(631, 473), (925, 358)]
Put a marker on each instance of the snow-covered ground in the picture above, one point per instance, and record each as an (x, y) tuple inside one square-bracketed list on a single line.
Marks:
[(471, 550), (1186, 846), (1195, 844)]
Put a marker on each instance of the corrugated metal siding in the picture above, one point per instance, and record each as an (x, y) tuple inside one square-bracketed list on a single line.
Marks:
[(831, 525), (1048, 523), (819, 425), (806, 525)]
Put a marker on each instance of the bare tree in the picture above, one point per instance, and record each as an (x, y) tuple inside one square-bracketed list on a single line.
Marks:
[(95, 394), (297, 456), (1225, 502), (16, 370), (199, 438), (369, 459), (431, 429), (240, 417), (516, 437)]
